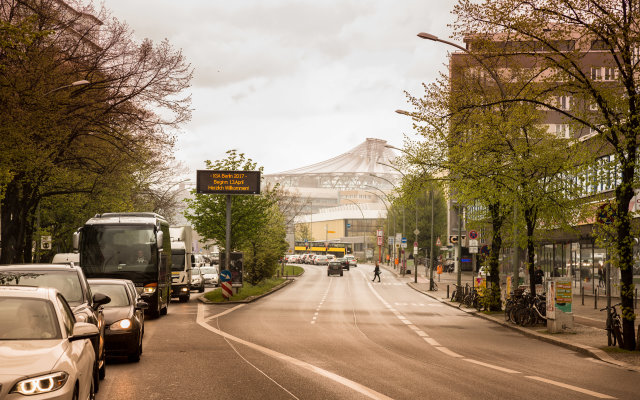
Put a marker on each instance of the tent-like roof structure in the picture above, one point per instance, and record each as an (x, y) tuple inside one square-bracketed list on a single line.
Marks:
[(368, 164)]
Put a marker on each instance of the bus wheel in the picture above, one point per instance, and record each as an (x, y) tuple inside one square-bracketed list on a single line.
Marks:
[(163, 311)]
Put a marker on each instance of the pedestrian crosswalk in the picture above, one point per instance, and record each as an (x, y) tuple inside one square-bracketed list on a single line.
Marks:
[(389, 283)]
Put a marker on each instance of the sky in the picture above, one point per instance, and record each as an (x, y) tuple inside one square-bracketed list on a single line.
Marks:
[(294, 82)]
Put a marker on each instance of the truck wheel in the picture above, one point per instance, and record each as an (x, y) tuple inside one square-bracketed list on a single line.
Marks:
[(184, 299), (165, 309)]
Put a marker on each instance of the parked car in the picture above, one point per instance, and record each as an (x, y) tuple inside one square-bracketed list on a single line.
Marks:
[(334, 268), (197, 279), (321, 260), (211, 275), (123, 317), (70, 281), (45, 352)]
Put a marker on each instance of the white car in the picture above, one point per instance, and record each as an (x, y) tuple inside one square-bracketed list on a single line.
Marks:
[(321, 260), (211, 275), (42, 347), (353, 262)]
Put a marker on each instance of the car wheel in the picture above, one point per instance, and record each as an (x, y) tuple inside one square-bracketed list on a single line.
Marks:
[(75, 393), (341, 273), (347, 268)]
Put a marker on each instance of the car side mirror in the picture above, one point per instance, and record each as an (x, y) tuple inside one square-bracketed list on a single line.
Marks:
[(84, 330), (76, 240), (100, 299), (142, 305), (160, 240), (145, 296)]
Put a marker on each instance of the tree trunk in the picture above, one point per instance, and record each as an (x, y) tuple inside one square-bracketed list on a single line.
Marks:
[(495, 303), (625, 242), (530, 220), (15, 209)]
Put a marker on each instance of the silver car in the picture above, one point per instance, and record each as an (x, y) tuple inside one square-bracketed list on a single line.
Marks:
[(210, 275), (44, 351)]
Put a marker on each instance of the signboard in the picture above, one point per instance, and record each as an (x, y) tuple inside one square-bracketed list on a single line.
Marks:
[(225, 275), (379, 233), (473, 242), (45, 242), (473, 249), (484, 250), (416, 232), (404, 242), (453, 239), (391, 240), (379, 240), (348, 226), (473, 235), (551, 299), (228, 182), (438, 242), (564, 295)]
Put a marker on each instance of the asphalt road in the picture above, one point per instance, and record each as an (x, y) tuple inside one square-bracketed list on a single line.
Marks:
[(346, 337)]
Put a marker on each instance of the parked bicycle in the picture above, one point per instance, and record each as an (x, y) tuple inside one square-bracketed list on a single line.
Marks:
[(471, 299), (614, 326), (458, 293), (511, 303), (526, 309), (433, 286)]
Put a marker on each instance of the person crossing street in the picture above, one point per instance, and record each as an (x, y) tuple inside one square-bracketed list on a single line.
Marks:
[(376, 273)]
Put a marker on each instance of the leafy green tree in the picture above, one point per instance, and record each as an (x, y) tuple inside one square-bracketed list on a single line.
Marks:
[(55, 133), (557, 36), (257, 225)]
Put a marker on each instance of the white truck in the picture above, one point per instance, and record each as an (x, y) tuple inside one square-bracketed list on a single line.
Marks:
[(181, 262)]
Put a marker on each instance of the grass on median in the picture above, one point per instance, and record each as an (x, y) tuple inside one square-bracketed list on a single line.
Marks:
[(291, 270), (246, 291)]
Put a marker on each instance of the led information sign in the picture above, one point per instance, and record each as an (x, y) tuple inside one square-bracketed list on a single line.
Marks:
[(228, 182)]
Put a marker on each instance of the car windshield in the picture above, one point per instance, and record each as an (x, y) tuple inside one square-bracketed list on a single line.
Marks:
[(28, 319), (66, 282), (209, 270), (117, 293)]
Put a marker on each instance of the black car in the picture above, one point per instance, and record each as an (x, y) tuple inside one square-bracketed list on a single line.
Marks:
[(70, 281), (344, 262), (124, 318), (334, 268)]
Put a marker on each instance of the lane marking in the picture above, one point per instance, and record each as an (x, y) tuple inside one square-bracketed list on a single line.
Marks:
[(448, 352), (431, 341), (507, 370), (571, 387), (370, 393)]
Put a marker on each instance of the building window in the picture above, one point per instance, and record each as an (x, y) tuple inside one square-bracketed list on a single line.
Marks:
[(596, 73), (564, 102), (563, 131)]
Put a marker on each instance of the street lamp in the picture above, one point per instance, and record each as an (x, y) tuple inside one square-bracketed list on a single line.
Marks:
[(72, 84), (387, 208)]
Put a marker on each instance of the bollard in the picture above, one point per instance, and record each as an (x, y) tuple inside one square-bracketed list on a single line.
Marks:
[(447, 291), (595, 304), (582, 294), (635, 305)]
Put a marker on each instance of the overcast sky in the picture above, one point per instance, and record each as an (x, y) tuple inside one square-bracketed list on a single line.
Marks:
[(294, 82)]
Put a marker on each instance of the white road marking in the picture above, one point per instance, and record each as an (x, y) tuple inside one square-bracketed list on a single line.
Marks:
[(422, 334), (448, 352), (372, 394), (571, 387), (431, 341), (507, 370)]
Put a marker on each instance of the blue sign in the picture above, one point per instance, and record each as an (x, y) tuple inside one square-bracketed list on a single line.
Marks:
[(225, 275), (465, 260), (404, 240), (348, 226)]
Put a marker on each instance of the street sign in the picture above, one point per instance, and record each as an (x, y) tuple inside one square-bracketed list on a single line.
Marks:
[(438, 242), (379, 240), (484, 250), (45, 242), (473, 235), (416, 232), (391, 240), (404, 242), (228, 182), (225, 287), (473, 249), (379, 233), (348, 226), (453, 239), (444, 248), (473, 242), (225, 275)]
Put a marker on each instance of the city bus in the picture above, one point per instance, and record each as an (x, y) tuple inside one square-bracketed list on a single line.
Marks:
[(135, 246)]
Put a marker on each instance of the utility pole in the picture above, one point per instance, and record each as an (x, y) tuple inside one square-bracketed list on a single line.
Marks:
[(415, 253), (431, 259), (459, 247)]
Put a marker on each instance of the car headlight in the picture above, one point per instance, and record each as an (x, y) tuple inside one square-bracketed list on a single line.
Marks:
[(122, 325), (41, 384), (150, 288)]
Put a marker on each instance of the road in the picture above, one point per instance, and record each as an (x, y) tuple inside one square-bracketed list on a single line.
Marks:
[(346, 337)]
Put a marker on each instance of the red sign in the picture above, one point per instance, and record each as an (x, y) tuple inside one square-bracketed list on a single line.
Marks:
[(379, 240)]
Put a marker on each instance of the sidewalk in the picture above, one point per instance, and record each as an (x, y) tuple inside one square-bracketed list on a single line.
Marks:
[(588, 336)]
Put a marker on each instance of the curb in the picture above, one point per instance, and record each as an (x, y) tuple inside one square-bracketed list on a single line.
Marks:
[(583, 349), (250, 299)]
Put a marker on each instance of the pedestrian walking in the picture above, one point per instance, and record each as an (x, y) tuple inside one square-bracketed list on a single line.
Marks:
[(600, 277), (376, 273)]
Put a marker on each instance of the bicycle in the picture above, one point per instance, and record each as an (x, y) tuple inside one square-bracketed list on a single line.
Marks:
[(614, 326), (472, 299), (433, 286), (458, 293)]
